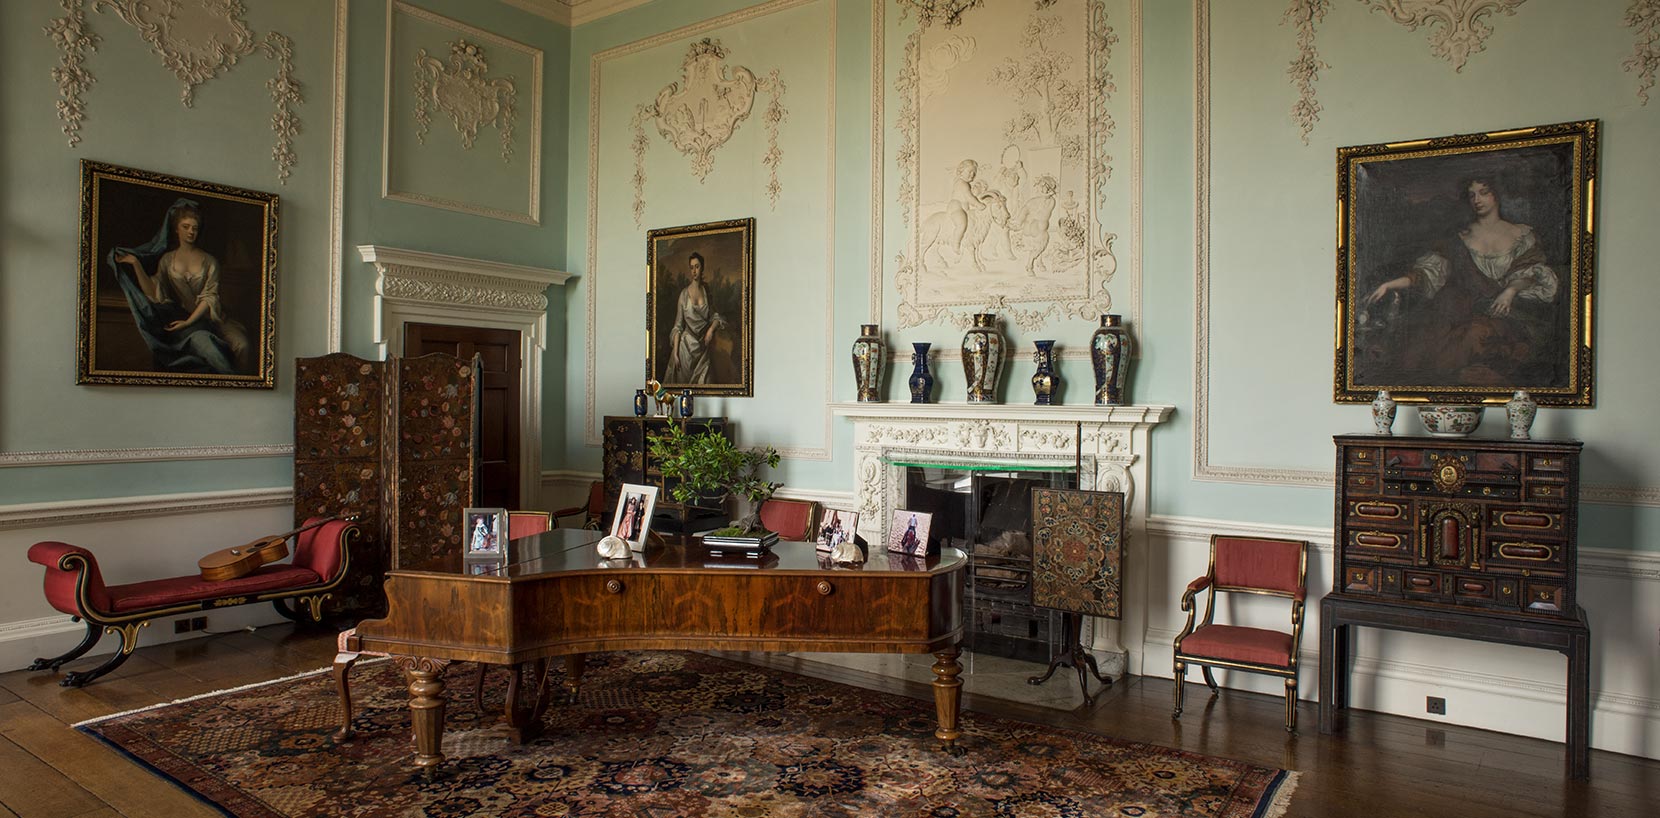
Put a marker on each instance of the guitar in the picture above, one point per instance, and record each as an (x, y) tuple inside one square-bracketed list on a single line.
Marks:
[(241, 560)]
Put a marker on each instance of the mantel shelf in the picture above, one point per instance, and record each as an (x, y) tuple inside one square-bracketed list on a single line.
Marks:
[(1137, 414)]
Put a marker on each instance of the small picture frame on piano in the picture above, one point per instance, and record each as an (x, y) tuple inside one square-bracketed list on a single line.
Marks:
[(484, 536), (632, 520)]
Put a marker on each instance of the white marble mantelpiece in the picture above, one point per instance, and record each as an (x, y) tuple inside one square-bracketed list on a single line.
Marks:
[(1113, 457)]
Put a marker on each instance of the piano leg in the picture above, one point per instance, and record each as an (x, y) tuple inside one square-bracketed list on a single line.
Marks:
[(426, 706), (947, 697), (574, 665)]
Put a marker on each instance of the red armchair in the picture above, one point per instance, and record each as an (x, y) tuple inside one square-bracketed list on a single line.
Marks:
[(593, 513), (1254, 565), (791, 519), (526, 523), (75, 586)]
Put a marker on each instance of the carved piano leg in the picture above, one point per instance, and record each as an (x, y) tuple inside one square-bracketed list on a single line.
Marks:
[(527, 699), (426, 706), (342, 683), (947, 697), (574, 665)]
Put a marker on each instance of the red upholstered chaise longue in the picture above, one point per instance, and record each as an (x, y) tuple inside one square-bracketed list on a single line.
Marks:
[(75, 587)]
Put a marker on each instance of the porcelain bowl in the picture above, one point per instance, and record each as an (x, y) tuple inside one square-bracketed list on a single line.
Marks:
[(1450, 420)]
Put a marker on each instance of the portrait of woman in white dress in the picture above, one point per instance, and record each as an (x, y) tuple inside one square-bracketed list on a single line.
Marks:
[(702, 295)]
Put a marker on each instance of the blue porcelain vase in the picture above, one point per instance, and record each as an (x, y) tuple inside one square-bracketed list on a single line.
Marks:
[(983, 348), (683, 404), (1044, 380), (639, 403), (1109, 351), (868, 357), (922, 379)]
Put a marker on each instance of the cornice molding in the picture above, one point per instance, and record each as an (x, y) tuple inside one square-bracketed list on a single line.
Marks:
[(574, 12), (62, 512)]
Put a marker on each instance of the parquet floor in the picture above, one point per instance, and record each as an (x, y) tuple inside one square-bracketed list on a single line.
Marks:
[(1383, 767)]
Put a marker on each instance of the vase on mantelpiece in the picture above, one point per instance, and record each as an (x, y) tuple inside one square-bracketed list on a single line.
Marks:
[(1521, 410), (983, 358), (1109, 352), (1383, 413), (1044, 380), (921, 381), (869, 355)]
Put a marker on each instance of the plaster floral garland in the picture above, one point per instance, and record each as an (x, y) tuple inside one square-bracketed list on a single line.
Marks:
[(464, 89), (218, 37), (1643, 17), (1304, 71), (1458, 28)]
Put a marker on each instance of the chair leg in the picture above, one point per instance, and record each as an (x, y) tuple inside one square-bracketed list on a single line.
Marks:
[(1291, 705), (1181, 680), (478, 687), (1210, 681), (342, 668), (93, 634), (129, 643)]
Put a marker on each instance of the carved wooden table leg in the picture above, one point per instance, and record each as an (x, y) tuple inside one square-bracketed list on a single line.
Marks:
[(426, 706), (574, 665), (947, 696)]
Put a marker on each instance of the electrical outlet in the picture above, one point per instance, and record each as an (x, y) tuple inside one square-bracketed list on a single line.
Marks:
[(1435, 705), (181, 626), (198, 623)]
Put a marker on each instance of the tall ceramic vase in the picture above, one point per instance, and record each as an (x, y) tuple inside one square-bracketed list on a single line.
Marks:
[(869, 354), (1520, 412), (1044, 380), (922, 379), (983, 358), (1383, 412), (1109, 351)]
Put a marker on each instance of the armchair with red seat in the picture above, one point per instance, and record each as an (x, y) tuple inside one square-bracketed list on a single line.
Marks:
[(795, 520), (1254, 565), (75, 586)]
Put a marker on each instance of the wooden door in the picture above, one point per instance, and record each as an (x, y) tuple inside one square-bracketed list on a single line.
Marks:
[(499, 387)]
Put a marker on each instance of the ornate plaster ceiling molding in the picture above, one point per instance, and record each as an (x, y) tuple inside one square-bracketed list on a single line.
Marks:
[(1304, 71), (465, 90), (413, 275), (1643, 17), (1056, 108), (74, 40), (1458, 28), (700, 113), (197, 40)]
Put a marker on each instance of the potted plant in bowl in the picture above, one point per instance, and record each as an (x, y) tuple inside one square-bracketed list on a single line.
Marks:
[(707, 464)]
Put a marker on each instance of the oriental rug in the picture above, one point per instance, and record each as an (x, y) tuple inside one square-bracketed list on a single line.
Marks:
[(665, 734)]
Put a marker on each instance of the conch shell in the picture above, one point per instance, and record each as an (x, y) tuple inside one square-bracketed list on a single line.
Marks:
[(613, 548)]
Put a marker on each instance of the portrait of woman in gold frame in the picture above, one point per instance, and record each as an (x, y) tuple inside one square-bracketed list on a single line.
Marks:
[(700, 307)]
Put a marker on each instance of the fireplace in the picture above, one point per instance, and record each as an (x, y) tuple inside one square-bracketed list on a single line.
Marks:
[(939, 446)]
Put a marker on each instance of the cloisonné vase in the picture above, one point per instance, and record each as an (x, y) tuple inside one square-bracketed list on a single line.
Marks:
[(1044, 380), (1383, 412), (869, 354), (683, 403), (983, 348), (1109, 352), (922, 378), (639, 403), (1520, 410)]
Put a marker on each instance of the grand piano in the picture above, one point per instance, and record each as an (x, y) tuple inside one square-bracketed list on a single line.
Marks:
[(554, 597)]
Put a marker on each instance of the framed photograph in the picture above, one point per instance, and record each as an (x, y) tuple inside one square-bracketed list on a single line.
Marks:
[(1078, 551), (1465, 265), (632, 520), (700, 307), (835, 526), (908, 533), (484, 532), (177, 281)]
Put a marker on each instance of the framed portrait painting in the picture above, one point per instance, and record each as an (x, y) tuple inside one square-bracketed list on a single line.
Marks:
[(177, 281), (700, 307), (1465, 265)]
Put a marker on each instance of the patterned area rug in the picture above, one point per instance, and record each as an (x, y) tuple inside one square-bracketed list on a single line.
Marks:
[(666, 734)]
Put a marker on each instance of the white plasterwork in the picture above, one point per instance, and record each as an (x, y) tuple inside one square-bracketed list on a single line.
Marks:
[(699, 113), (1458, 28), (1643, 18), (464, 89), (74, 39), (418, 287), (1304, 15), (1003, 169)]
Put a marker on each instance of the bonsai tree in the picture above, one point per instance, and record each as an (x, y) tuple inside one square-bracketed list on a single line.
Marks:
[(707, 464)]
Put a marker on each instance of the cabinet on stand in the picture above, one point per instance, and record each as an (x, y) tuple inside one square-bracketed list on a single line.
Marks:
[(1468, 538)]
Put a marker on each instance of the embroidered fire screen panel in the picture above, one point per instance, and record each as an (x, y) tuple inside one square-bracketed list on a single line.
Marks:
[(1078, 550)]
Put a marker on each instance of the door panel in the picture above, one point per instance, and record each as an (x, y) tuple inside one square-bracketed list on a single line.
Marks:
[(499, 422)]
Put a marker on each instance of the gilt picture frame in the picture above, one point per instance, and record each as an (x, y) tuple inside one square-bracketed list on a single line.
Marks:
[(700, 307), (1465, 267), (177, 281)]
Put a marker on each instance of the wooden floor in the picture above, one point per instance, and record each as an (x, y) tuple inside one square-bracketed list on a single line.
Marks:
[(1384, 766)]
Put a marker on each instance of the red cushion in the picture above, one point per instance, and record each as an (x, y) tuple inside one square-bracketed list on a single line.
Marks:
[(1232, 643), (788, 518), (60, 583), (1274, 565), (526, 523), (160, 593), (320, 549)]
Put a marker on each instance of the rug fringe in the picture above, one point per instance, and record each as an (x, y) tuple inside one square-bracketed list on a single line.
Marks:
[(1282, 796), (249, 686)]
